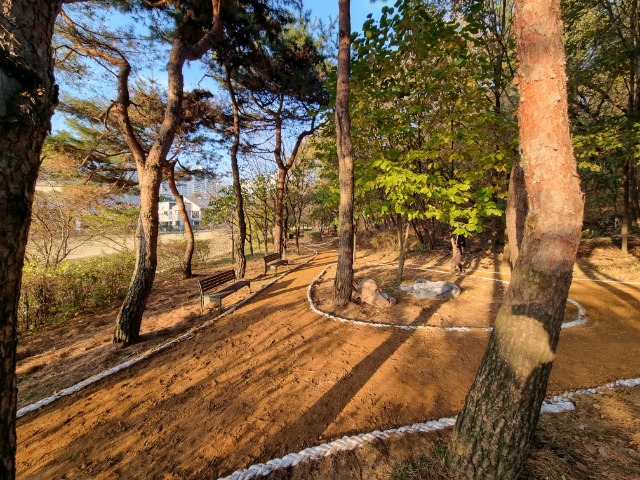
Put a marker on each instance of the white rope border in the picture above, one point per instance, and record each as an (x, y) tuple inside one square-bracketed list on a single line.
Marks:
[(557, 404), (149, 353), (581, 320)]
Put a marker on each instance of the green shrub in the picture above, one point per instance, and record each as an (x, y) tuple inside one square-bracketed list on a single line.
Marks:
[(315, 236), (50, 295), (384, 241)]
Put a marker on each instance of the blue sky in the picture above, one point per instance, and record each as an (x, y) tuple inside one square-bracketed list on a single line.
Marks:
[(323, 9), (359, 10)]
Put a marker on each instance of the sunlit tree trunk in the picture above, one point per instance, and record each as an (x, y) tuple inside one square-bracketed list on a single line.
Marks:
[(188, 231), (403, 237), (238, 252), (495, 428), (28, 96), (150, 166), (344, 271)]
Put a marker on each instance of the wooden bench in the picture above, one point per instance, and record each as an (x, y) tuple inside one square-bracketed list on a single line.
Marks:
[(273, 260), (216, 280)]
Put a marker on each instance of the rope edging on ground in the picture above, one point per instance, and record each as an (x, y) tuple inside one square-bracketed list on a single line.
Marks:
[(556, 404), (151, 352)]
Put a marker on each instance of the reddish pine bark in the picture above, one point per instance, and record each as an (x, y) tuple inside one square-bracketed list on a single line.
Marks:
[(493, 432), (344, 271)]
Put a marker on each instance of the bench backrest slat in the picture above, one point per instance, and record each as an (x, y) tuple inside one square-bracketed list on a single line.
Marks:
[(271, 257), (216, 280)]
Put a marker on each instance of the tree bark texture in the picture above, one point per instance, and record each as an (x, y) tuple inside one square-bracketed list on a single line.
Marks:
[(129, 318), (493, 432), (517, 209), (188, 231), (240, 258), (280, 183), (28, 96), (343, 283)]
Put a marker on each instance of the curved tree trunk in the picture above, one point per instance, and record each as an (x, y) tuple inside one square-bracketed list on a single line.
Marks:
[(28, 96), (189, 248), (240, 258), (493, 432), (129, 319), (150, 166), (278, 224), (343, 283)]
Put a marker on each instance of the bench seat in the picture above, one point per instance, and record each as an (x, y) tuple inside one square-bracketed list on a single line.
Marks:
[(273, 260), (217, 280)]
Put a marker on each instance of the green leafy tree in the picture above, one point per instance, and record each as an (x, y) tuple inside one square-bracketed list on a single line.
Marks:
[(425, 126), (603, 61)]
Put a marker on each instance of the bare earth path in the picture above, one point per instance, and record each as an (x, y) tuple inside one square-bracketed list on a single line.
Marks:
[(273, 378)]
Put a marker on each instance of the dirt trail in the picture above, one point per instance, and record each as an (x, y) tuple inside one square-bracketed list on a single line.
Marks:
[(274, 378)]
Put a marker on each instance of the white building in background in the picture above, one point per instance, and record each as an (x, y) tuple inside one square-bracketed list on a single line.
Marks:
[(170, 218), (201, 187)]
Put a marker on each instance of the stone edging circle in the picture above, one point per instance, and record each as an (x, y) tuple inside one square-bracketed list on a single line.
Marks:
[(581, 320)]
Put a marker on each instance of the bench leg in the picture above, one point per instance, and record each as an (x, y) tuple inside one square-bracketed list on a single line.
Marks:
[(216, 300)]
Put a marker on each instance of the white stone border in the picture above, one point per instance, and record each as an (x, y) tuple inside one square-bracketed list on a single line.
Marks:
[(581, 320), (556, 404), (149, 353)]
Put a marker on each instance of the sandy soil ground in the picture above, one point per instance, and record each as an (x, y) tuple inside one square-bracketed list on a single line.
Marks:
[(274, 377)]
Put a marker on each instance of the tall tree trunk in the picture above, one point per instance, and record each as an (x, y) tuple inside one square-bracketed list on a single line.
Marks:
[(129, 319), (494, 430), (28, 96), (240, 258), (343, 283), (633, 188), (188, 250), (149, 168)]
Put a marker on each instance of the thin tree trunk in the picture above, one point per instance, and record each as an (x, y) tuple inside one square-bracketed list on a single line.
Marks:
[(494, 430), (28, 97), (278, 223), (250, 238), (240, 258), (189, 248), (626, 207), (343, 283), (633, 192), (403, 236)]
